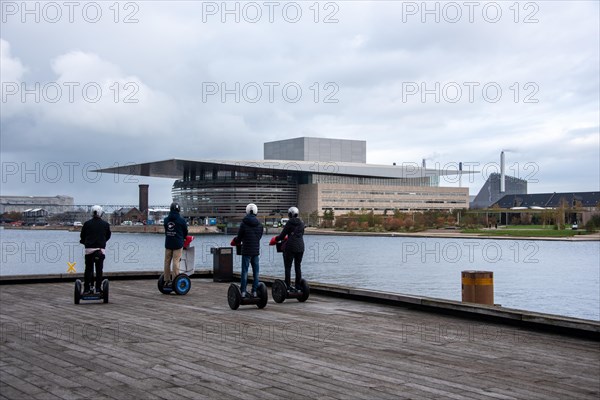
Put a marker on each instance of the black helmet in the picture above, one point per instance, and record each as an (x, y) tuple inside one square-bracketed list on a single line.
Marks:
[(175, 207)]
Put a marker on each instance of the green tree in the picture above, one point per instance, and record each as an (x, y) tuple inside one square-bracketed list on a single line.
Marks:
[(328, 217)]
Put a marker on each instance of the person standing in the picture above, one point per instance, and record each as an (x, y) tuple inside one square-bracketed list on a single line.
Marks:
[(249, 235), (176, 230), (94, 235), (294, 246)]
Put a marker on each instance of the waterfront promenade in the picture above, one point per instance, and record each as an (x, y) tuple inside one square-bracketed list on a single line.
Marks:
[(144, 345)]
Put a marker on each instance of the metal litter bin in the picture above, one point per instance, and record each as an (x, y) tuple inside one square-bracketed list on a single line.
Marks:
[(222, 264)]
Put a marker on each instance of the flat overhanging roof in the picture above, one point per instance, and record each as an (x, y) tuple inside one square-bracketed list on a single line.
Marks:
[(174, 168)]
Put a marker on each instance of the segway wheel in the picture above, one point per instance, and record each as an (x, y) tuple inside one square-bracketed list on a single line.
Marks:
[(279, 291), (305, 291), (105, 290), (182, 284), (161, 284), (77, 294), (234, 296), (263, 295)]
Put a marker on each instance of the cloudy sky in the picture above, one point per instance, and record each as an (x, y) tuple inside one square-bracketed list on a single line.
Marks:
[(99, 84)]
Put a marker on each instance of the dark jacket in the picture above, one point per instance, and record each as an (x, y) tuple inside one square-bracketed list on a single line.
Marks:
[(294, 229), (175, 231), (95, 233), (249, 235)]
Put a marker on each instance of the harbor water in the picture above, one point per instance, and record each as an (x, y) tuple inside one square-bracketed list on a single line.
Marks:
[(555, 277)]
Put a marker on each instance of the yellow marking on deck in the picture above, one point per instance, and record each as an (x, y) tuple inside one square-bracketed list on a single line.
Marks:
[(71, 269)]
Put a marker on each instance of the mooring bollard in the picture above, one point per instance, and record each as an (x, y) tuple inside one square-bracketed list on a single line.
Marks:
[(478, 287)]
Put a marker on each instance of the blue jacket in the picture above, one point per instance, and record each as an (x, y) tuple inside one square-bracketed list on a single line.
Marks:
[(249, 235), (294, 229), (175, 231)]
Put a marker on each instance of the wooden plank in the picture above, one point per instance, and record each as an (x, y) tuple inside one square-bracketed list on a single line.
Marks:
[(147, 345)]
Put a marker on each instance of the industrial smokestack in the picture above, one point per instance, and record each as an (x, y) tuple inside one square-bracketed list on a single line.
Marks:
[(502, 172), (144, 200), (460, 174), (423, 163)]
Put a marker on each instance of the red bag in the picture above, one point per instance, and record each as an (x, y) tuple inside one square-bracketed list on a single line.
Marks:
[(188, 240)]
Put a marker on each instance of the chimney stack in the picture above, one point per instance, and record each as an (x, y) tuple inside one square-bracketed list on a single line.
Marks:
[(143, 201), (502, 172)]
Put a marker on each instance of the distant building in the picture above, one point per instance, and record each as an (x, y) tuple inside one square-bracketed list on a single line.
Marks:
[(53, 205), (156, 215), (580, 206), (315, 174), (127, 214), (583, 200), (35, 216), (491, 192)]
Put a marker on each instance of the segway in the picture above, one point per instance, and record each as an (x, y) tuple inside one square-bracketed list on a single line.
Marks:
[(280, 291), (182, 284), (235, 299), (91, 295)]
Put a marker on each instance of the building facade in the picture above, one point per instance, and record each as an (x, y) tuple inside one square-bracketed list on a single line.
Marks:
[(223, 188), (51, 204), (491, 191), (317, 149)]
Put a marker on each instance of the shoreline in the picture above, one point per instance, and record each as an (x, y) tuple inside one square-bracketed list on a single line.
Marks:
[(454, 234), (430, 233)]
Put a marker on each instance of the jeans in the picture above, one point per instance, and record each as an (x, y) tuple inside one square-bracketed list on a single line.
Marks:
[(245, 261), (288, 257)]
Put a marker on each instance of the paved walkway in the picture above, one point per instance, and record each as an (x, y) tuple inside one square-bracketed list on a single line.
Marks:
[(144, 345)]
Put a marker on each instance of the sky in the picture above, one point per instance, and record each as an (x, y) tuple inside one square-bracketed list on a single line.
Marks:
[(88, 85)]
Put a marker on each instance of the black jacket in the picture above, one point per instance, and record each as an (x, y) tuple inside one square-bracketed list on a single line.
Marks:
[(294, 229), (175, 231), (249, 235), (95, 233)]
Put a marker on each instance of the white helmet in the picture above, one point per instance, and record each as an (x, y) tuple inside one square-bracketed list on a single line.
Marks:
[(293, 212), (97, 211), (251, 209)]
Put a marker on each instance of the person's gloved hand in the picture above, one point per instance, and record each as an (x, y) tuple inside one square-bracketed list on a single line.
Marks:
[(233, 242), (273, 241)]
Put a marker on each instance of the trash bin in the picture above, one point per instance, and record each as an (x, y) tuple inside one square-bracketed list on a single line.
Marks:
[(478, 287), (222, 264)]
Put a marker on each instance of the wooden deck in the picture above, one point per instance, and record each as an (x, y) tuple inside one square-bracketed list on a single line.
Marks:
[(144, 345)]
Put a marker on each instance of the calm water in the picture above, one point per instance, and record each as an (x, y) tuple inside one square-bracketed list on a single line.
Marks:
[(560, 278)]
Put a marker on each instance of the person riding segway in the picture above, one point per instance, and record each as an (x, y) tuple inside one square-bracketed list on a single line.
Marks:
[(176, 231), (291, 242), (94, 235), (248, 237)]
